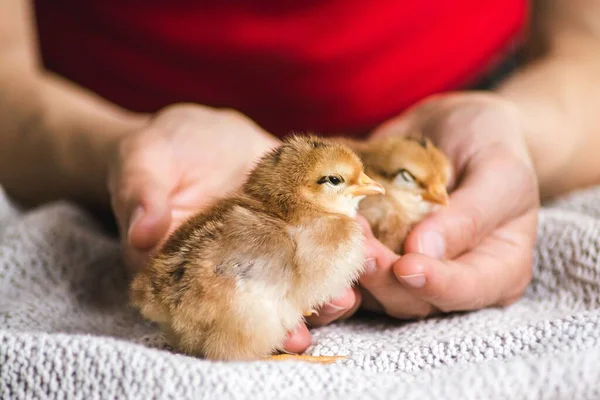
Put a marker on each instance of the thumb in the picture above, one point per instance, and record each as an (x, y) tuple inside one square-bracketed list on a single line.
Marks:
[(493, 190), (140, 199), (149, 216)]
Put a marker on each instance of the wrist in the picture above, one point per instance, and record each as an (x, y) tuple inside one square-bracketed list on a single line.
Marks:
[(102, 152), (81, 140), (550, 137)]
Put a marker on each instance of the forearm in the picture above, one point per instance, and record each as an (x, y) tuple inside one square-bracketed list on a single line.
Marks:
[(56, 140), (54, 136), (559, 102), (558, 95)]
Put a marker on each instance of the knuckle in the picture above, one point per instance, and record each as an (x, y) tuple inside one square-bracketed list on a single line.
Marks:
[(233, 115), (448, 307), (238, 119), (179, 110)]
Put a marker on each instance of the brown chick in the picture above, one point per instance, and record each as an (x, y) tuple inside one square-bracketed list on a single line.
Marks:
[(415, 175), (233, 280)]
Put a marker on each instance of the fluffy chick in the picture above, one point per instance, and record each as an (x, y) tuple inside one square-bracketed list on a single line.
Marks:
[(233, 280), (415, 175)]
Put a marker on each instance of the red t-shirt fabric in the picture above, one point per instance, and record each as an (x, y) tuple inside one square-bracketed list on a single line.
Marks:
[(328, 66)]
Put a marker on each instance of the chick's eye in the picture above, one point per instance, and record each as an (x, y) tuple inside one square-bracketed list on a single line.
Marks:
[(334, 180), (404, 177), (331, 179)]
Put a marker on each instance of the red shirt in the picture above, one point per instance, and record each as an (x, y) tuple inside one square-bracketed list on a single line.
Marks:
[(321, 65)]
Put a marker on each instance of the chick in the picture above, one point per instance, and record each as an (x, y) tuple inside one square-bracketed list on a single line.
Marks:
[(233, 280), (415, 175)]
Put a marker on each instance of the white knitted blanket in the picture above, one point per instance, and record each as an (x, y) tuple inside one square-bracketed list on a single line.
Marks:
[(65, 331)]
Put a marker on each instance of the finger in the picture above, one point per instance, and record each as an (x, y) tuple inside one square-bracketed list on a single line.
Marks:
[(376, 253), (352, 310), (416, 117), (384, 291), (369, 302), (151, 218), (140, 197), (494, 273), (341, 307), (496, 187), (298, 340)]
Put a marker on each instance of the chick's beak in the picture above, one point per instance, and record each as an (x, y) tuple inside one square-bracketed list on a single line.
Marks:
[(366, 186), (436, 194)]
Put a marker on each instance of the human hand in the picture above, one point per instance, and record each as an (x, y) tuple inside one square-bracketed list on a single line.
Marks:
[(183, 158), (477, 252)]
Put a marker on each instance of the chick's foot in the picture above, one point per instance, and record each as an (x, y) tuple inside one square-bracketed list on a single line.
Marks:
[(307, 358)]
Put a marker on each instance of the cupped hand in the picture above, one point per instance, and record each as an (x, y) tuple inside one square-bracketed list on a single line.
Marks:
[(478, 251), (186, 156)]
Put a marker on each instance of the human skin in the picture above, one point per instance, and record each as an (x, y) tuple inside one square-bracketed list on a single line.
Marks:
[(58, 140)]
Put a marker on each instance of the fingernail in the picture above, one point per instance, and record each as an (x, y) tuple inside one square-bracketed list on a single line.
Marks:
[(415, 281), (135, 217), (432, 244), (331, 309), (370, 266)]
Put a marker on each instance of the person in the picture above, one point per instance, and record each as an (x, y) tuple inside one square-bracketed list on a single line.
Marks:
[(154, 109)]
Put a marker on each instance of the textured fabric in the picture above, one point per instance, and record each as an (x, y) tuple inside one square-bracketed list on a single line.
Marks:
[(325, 66), (65, 330)]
